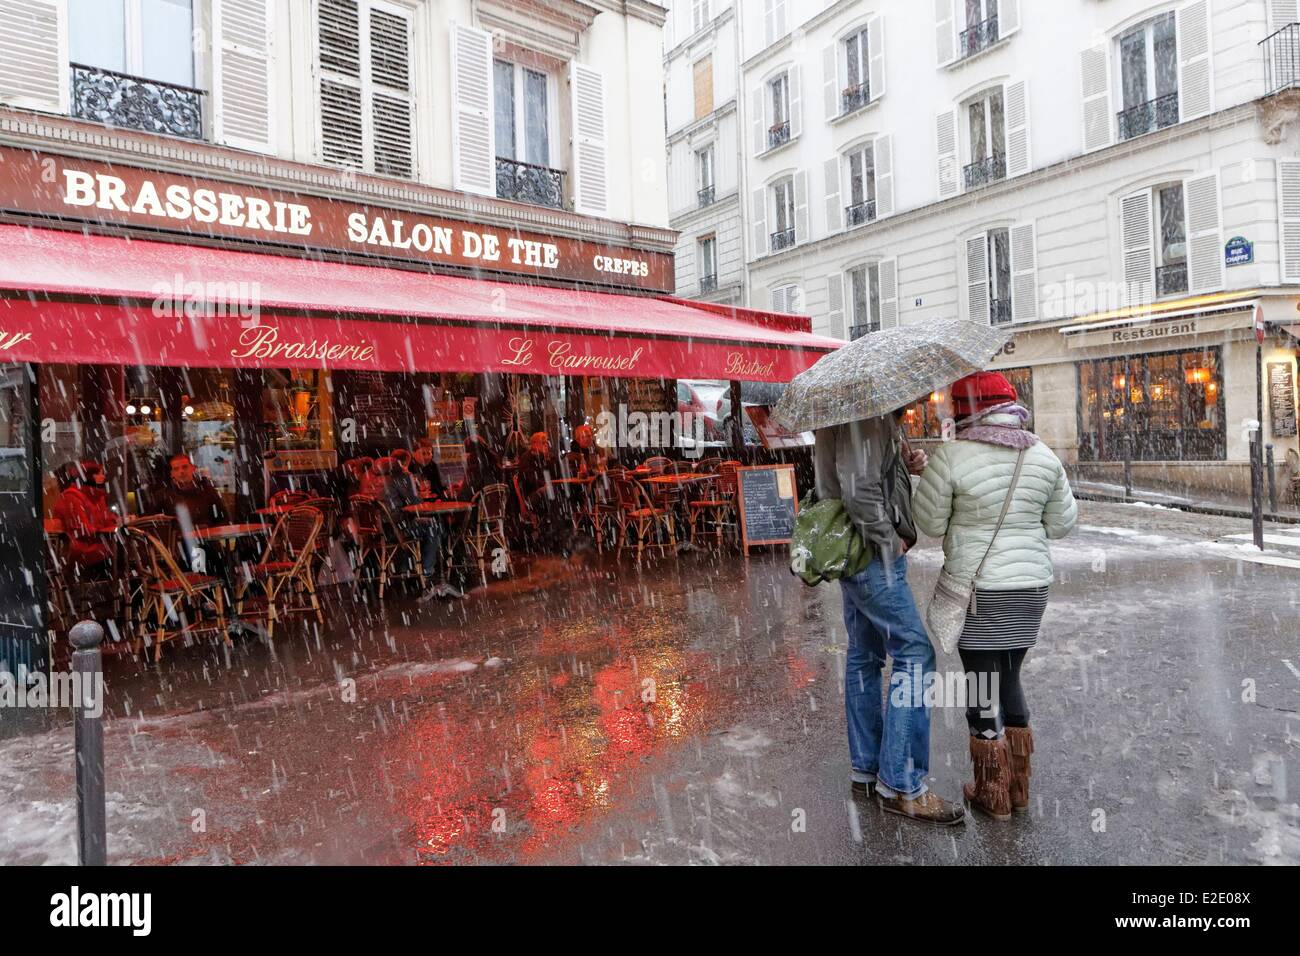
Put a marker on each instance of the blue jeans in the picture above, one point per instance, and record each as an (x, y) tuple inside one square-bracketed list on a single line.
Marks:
[(891, 743)]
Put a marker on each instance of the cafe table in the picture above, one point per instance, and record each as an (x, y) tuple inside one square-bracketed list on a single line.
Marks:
[(436, 510), (229, 532)]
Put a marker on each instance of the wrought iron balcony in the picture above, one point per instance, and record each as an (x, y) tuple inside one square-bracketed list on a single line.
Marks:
[(132, 102), (1282, 58), (707, 195), (999, 311), (782, 240), (1149, 116), (708, 283), (778, 134), (854, 98), (1171, 279), (857, 331), (527, 182), (979, 37), (984, 171), (860, 213)]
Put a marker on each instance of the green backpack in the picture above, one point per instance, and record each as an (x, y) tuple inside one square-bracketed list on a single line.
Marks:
[(826, 545)]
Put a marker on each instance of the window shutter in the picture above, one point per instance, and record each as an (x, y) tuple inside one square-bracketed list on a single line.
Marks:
[(977, 278), (392, 100), (338, 33), (796, 100), (884, 150), (769, 22), (1098, 123), (1195, 94), (835, 305), (473, 145), (1281, 13), (590, 176), (946, 138), (1288, 215), (831, 82), (1205, 265), (876, 56), (801, 230), (1024, 273), (1016, 98), (1008, 17), (888, 272), (759, 200), (758, 122), (945, 37), (1138, 245), (34, 63), (241, 74), (834, 212)]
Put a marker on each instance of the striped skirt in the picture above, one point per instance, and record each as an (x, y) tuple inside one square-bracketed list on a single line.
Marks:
[(1007, 621)]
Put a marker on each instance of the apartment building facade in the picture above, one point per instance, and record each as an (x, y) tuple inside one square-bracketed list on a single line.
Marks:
[(1115, 182)]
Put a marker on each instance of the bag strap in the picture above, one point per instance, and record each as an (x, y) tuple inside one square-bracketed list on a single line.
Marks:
[(1006, 506)]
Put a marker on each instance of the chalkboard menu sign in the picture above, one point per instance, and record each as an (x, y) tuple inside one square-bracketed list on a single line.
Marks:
[(1281, 399), (768, 504), (381, 414)]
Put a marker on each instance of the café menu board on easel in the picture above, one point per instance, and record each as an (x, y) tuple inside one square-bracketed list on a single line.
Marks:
[(1281, 399), (768, 504)]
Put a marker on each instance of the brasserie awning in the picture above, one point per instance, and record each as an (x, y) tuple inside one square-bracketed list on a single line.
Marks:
[(76, 298)]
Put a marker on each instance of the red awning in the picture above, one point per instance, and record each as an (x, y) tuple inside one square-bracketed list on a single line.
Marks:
[(74, 298)]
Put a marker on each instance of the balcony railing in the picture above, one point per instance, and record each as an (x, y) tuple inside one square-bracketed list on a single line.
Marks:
[(854, 98), (527, 182), (857, 331), (132, 102), (1171, 279), (999, 311), (985, 171), (708, 283), (1282, 58), (1149, 116), (707, 195), (979, 37), (782, 240), (859, 213), (778, 134)]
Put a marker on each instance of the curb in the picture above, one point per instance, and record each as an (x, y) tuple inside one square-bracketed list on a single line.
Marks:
[(1192, 508)]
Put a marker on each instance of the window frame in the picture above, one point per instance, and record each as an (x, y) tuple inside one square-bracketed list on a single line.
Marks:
[(784, 184), (708, 243), (133, 25), (519, 71), (869, 179), (1147, 28), (870, 272)]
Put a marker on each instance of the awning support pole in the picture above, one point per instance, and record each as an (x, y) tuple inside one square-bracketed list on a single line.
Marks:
[(737, 427)]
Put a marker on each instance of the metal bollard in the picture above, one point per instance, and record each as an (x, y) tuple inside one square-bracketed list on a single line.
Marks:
[(87, 665), (1270, 469)]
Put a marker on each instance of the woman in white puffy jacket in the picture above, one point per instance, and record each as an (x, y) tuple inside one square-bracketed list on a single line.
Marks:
[(959, 499)]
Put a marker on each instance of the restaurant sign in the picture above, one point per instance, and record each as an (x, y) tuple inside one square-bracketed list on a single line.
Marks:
[(66, 188)]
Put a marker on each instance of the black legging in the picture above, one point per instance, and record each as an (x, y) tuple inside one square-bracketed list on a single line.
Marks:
[(1012, 711)]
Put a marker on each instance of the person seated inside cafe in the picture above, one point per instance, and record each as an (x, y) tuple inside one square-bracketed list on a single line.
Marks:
[(191, 497), (591, 458), (425, 470), (538, 465), (83, 510), (482, 467), (399, 492)]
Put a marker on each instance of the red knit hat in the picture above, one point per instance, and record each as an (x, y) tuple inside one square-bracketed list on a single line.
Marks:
[(980, 391)]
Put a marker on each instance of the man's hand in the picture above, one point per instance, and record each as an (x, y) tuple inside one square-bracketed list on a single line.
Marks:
[(916, 460)]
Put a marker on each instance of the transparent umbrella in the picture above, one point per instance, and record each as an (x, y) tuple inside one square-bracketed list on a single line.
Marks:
[(886, 370)]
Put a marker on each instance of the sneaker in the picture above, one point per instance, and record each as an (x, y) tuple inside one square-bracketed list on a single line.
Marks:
[(429, 594), (447, 589), (929, 807)]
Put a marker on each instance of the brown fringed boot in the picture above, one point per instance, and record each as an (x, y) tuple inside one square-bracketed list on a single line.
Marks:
[(1020, 744), (992, 768)]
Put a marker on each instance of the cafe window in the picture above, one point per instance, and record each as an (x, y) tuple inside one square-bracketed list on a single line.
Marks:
[(1159, 407), (15, 475), (924, 419)]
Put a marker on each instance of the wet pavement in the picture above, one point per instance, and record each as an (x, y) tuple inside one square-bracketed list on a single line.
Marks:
[(692, 712)]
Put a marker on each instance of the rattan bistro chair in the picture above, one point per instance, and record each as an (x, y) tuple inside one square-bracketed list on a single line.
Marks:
[(167, 594), (637, 512), (657, 464), (376, 535), (715, 510), (288, 566), (485, 532)]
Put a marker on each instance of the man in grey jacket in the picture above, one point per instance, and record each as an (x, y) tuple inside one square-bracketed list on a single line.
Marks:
[(866, 465)]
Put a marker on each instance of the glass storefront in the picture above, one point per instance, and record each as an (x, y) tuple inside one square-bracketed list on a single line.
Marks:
[(1168, 406), (924, 419)]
